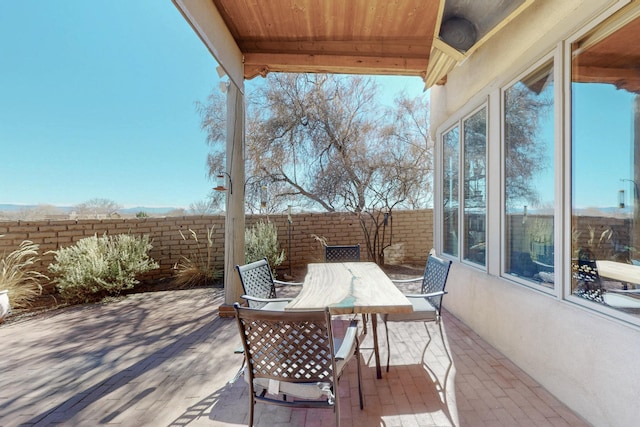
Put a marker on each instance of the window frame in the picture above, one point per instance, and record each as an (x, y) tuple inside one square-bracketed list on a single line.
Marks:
[(458, 120), (462, 192), (440, 203), (606, 24), (610, 19), (555, 58)]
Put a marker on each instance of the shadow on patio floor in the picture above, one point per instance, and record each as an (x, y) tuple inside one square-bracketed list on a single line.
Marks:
[(166, 359)]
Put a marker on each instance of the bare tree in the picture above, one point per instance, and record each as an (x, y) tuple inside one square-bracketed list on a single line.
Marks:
[(204, 207), (525, 156), (97, 207), (41, 211), (213, 121), (327, 142), (406, 175), (330, 141), (177, 212)]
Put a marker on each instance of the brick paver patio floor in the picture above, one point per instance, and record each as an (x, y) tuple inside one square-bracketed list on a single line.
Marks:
[(166, 359)]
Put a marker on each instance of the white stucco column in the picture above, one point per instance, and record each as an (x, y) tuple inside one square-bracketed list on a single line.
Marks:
[(234, 220), (207, 22)]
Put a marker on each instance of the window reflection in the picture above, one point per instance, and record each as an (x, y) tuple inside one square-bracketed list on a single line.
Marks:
[(606, 168), (475, 186), (451, 153), (529, 173)]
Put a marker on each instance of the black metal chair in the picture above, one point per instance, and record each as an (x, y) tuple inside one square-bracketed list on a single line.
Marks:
[(293, 354), (260, 287), (584, 272), (344, 253), (427, 304)]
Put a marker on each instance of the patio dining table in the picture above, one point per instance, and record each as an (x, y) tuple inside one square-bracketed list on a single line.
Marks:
[(348, 288), (626, 273)]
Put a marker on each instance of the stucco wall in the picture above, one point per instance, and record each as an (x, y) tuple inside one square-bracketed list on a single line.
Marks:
[(584, 357)]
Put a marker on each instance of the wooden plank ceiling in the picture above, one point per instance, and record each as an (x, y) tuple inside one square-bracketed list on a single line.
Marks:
[(610, 58), (332, 36)]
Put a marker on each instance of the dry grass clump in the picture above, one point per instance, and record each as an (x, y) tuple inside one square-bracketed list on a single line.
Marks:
[(17, 275), (197, 269)]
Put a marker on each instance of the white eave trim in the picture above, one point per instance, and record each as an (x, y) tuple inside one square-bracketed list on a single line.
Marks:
[(207, 22)]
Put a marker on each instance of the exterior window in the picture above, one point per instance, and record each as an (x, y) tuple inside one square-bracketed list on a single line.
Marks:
[(475, 186), (450, 167), (529, 177), (606, 169)]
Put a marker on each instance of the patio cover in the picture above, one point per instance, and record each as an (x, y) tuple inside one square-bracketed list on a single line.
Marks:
[(250, 38), (393, 37)]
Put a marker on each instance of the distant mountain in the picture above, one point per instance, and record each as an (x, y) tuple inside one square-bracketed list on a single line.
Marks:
[(8, 207), (14, 208)]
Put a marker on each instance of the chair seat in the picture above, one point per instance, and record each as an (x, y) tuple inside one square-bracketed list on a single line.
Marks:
[(292, 358), (423, 311), (310, 391), (275, 306)]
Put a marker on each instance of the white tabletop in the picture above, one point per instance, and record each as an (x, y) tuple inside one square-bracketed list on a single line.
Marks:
[(349, 287), (621, 271)]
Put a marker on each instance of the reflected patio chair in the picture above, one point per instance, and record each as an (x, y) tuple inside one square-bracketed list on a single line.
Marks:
[(292, 358), (344, 253), (427, 304), (584, 272), (260, 287)]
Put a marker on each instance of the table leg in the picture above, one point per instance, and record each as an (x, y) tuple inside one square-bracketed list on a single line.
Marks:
[(374, 330)]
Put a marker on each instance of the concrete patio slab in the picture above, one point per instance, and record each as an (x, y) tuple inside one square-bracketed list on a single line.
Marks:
[(167, 359)]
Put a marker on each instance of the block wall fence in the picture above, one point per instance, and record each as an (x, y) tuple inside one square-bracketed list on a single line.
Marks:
[(411, 239)]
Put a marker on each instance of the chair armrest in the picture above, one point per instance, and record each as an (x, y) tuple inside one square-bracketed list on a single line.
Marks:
[(256, 299), (347, 342), (431, 294), (280, 282), (415, 279)]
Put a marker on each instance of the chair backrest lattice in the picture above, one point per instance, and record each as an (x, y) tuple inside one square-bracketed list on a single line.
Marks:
[(288, 346), (257, 281), (435, 279), (343, 253), (585, 272)]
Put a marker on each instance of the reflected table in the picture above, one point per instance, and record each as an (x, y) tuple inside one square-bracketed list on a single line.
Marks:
[(623, 272)]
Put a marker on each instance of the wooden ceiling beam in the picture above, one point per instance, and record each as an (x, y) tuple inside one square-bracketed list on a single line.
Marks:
[(392, 48), (260, 64), (594, 73), (621, 78)]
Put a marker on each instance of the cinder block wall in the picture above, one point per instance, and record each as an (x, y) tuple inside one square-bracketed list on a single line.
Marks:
[(168, 243), (411, 239), (411, 235)]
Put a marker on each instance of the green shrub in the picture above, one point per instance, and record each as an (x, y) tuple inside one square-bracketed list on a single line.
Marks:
[(197, 269), (16, 276), (96, 267), (261, 241)]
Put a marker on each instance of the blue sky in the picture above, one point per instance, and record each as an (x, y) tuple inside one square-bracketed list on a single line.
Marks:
[(603, 145), (97, 101)]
